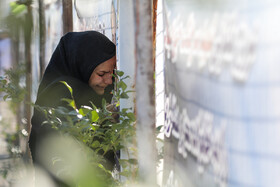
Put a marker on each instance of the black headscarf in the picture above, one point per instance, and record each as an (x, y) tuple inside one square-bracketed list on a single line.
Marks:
[(73, 61), (76, 56)]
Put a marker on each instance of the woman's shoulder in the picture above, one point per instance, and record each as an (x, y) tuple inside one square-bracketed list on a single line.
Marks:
[(57, 89)]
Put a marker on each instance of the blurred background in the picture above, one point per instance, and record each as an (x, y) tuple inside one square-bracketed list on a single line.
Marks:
[(216, 83)]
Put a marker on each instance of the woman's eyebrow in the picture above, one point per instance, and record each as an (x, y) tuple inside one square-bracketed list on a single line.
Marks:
[(104, 71)]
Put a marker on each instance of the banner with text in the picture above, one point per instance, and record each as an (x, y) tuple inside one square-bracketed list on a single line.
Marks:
[(222, 87)]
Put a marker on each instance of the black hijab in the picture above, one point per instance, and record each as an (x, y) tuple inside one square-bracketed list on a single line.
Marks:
[(76, 56), (73, 61)]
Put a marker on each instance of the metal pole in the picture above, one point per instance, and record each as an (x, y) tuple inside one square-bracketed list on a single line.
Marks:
[(155, 2), (42, 27), (67, 16), (28, 57), (145, 99)]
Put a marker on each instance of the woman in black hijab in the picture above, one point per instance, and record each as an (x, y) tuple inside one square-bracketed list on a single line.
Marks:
[(85, 60)]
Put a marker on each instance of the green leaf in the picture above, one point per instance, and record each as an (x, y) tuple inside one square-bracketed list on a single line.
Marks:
[(106, 148), (19, 9), (5, 97), (104, 119), (94, 116), (125, 77), (13, 5), (129, 91), (95, 144), (119, 73), (81, 111), (71, 102), (84, 110), (122, 85), (103, 103), (131, 116), (104, 169), (125, 110), (68, 86), (159, 128), (124, 95), (93, 106), (3, 80), (132, 161)]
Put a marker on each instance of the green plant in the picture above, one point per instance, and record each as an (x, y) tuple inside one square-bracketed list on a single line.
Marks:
[(10, 84), (99, 129), (13, 93)]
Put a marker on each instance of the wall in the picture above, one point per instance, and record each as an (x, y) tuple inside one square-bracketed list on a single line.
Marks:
[(222, 93)]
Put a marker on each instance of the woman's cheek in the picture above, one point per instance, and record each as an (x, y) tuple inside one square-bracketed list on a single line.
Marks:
[(99, 80)]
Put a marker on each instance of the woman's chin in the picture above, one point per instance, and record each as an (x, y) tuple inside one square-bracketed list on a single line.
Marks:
[(99, 92)]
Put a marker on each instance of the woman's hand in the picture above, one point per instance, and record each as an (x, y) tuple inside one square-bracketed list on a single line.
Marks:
[(113, 109)]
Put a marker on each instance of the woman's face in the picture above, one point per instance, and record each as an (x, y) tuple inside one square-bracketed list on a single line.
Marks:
[(101, 77)]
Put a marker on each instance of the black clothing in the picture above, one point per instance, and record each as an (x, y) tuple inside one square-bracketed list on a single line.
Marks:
[(51, 97), (73, 61)]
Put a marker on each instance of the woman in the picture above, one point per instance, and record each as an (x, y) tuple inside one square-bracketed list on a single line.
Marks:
[(85, 60)]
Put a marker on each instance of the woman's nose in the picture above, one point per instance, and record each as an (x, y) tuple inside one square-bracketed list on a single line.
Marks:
[(108, 79)]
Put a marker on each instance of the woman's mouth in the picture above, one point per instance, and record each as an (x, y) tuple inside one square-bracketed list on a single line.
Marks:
[(101, 87)]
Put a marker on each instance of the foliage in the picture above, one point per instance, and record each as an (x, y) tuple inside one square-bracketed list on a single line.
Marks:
[(11, 90), (10, 84), (104, 130), (18, 19), (14, 157)]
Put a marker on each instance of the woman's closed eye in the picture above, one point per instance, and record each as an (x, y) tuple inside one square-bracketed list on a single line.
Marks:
[(100, 74)]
